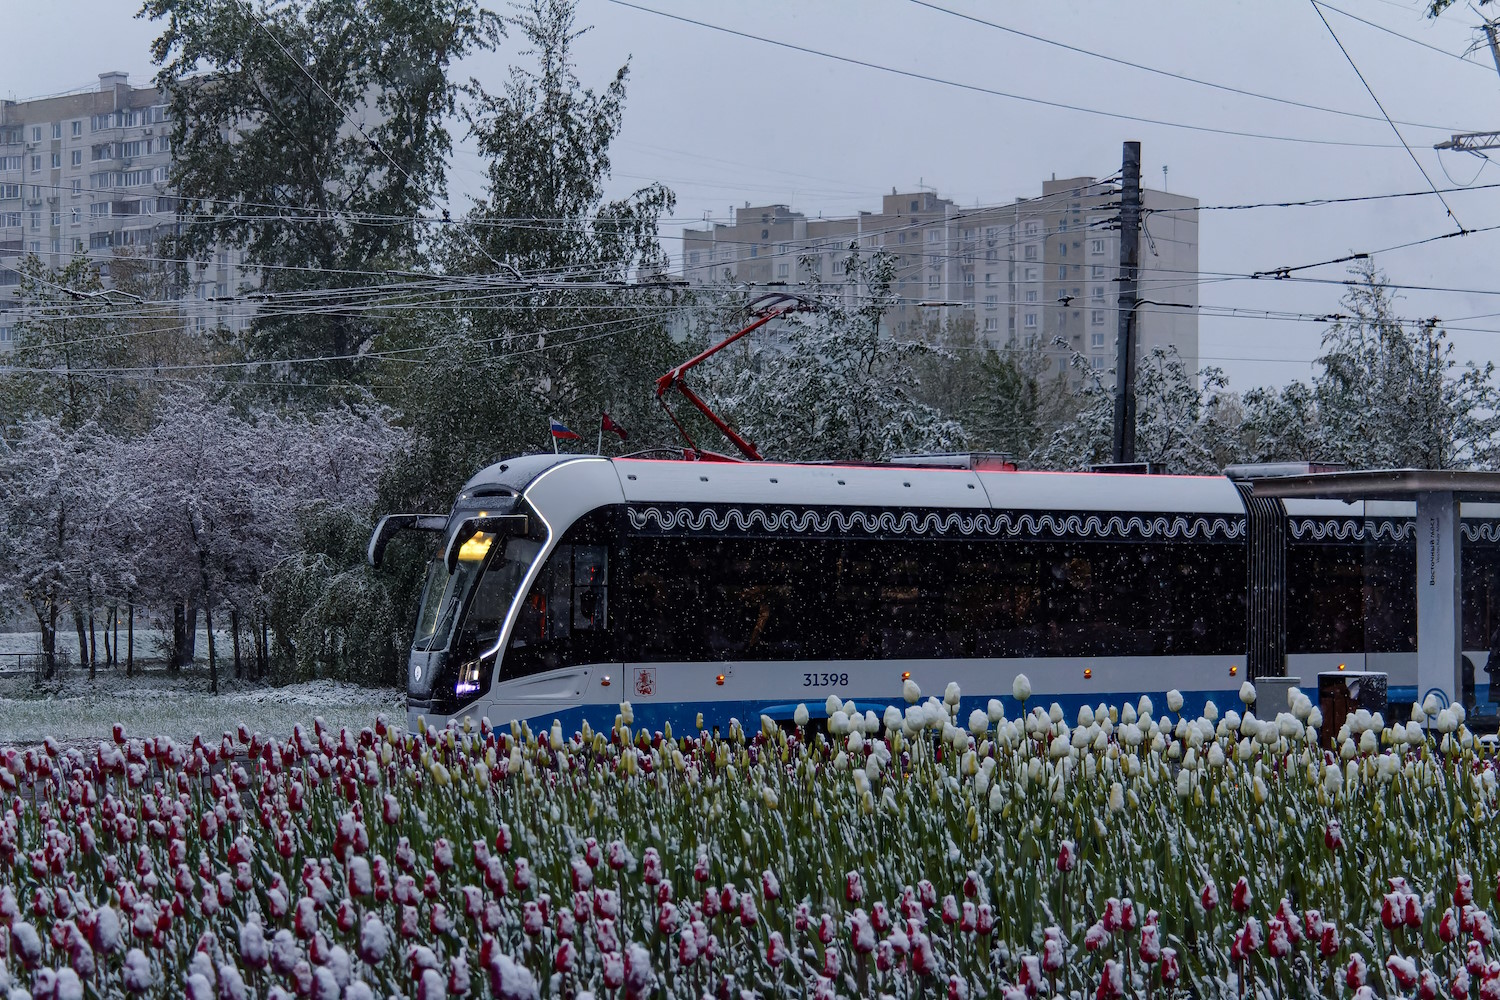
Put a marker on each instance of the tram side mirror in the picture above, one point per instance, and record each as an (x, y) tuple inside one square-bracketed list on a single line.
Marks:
[(510, 524), (392, 523)]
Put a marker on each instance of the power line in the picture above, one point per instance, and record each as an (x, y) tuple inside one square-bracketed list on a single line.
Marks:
[(975, 88), (1318, 9), (1166, 73), (1316, 202), (1397, 34)]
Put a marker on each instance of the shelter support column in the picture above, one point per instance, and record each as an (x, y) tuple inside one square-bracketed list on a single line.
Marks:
[(1438, 627)]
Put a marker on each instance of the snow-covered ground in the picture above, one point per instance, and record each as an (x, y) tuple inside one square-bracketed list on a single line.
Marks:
[(179, 706)]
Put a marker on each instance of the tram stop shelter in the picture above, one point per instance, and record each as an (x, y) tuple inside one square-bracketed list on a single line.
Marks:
[(1438, 494)]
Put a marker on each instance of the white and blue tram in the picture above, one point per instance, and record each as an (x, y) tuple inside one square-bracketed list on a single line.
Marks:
[(565, 585)]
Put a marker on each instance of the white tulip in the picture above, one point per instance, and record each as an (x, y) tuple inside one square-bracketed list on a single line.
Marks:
[(1144, 707), (800, 716), (979, 723), (1247, 693), (833, 704), (892, 718), (1021, 688), (951, 694), (1174, 700), (1085, 716), (1315, 717), (910, 691), (995, 710), (1431, 706), (1418, 714)]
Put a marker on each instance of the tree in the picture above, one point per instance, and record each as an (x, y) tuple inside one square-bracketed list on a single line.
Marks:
[(311, 133), (835, 387), (64, 510), (1184, 424), (224, 493), (1390, 393)]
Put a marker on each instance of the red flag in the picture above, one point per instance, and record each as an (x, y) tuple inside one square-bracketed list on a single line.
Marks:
[(607, 424)]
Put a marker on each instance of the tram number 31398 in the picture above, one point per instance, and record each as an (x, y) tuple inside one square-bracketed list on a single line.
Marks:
[(824, 680)]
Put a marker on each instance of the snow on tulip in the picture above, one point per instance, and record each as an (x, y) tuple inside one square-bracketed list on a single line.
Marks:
[(905, 852)]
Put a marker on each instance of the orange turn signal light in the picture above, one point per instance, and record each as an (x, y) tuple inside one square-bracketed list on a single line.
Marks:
[(906, 675), (1088, 672), (604, 681), (719, 679), (1341, 666), (1234, 670)]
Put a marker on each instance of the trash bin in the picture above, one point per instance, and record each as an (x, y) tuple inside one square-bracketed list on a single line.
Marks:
[(1343, 692)]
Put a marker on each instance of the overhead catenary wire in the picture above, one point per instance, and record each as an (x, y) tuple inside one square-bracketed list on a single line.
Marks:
[(993, 92), (1318, 9), (1183, 77)]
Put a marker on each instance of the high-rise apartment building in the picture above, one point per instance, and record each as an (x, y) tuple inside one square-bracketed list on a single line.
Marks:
[(1040, 272), (87, 173)]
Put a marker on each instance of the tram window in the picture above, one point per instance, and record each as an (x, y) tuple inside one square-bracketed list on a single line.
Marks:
[(1480, 584), (565, 618), (1351, 598), (767, 599), (727, 599)]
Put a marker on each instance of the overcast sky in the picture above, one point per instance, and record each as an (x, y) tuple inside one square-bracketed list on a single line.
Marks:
[(723, 119)]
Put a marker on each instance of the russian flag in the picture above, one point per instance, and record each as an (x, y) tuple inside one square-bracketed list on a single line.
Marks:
[(560, 432)]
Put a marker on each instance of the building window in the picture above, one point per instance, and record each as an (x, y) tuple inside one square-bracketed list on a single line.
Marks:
[(77, 129), (77, 188), (36, 133), (36, 220), (1031, 320), (1097, 293), (991, 301), (1031, 274), (934, 281), (36, 164), (991, 324), (1062, 249), (1031, 295), (1097, 361), (783, 271), (77, 157), (693, 257), (57, 218), (10, 191), (56, 160), (1096, 317), (1097, 271), (916, 206), (1031, 252), (989, 279), (57, 130), (934, 235), (1096, 246), (1096, 340), (969, 280), (1033, 227), (755, 251), (4, 334), (1062, 272)]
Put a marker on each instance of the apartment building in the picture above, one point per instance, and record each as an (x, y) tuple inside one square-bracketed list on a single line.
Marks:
[(88, 173), (1039, 272)]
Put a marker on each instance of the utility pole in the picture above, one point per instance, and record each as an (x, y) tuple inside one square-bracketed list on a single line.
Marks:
[(1478, 142), (1130, 231)]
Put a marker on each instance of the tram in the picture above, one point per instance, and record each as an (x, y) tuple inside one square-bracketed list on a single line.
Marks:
[(702, 592)]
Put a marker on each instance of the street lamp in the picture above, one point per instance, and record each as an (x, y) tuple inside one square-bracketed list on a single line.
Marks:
[(1124, 450)]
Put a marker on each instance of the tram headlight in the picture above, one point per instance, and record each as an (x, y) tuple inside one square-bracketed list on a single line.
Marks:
[(416, 672)]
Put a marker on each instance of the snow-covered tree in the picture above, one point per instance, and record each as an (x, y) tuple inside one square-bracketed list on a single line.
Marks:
[(65, 514), (223, 492), (835, 386), (1391, 394)]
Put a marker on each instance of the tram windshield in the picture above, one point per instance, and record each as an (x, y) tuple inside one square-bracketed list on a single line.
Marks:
[(486, 576)]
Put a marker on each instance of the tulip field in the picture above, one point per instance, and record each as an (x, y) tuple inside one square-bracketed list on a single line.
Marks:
[(940, 849)]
